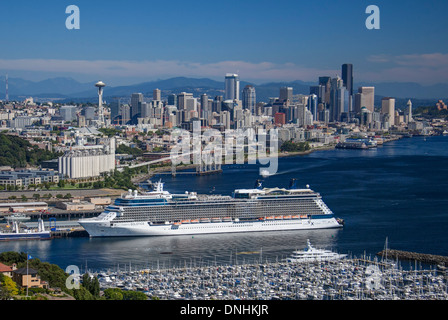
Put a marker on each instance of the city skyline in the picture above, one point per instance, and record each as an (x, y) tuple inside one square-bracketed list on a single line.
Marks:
[(261, 41)]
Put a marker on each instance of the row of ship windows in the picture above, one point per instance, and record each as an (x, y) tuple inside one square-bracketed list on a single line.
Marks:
[(224, 213), (212, 226), (243, 210)]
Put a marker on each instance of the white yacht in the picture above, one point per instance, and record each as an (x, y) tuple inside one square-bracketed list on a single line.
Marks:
[(311, 254)]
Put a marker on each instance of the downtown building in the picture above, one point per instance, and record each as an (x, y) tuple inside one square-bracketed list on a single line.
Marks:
[(232, 87)]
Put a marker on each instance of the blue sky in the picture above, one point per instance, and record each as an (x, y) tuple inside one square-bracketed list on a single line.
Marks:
[(130, 41)]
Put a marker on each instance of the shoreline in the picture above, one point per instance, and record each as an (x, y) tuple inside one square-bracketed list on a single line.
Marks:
[(155, 171)]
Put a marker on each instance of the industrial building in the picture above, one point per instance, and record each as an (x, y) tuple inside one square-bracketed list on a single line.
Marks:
[(88, 161)]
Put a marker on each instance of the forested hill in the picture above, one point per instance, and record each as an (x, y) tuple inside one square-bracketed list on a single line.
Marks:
[(18, 153)]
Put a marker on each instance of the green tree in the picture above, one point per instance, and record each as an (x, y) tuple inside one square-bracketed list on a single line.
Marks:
[(10, 257), (82, 294), (113, 294), (290, 146), (134, 295), (9, 288)]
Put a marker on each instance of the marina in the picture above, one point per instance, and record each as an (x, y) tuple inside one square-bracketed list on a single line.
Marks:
[(347, 279)]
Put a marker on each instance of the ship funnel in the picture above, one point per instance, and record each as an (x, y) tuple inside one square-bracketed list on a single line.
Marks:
[(293, 184)]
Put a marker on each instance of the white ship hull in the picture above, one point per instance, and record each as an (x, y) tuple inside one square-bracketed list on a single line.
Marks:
[(135, 229)]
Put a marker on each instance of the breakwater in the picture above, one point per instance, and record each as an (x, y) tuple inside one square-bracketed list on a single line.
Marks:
[(414, 256)]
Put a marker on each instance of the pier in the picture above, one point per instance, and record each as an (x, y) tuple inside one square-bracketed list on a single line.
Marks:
[(72, 233)]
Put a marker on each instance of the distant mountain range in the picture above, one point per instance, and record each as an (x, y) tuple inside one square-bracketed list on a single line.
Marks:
[(68, 89)]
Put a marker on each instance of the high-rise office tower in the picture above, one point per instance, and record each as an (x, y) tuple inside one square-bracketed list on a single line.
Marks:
[(347, 77), (335, 98), (367, 99), (312, 106), (136, 104), (232, 87), (125, 112), (114, 109), (145, 110), (182, 100), (217, 104), (388, 107), (157, 95), (326, 83), (249, 98), (204, 108), (286, 94), (319, 91), (172, 100)]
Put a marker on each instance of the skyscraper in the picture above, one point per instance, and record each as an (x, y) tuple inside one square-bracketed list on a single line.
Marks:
[(367, 99), (336, 98), (232, 87), (312, 106), (319, 91), (182, 100), (172, 100), (204, 109), (136, 104), (388, 108), (347, 77), (286, 94), (217, 104), (326, 83), (249, 98), (156, 95), (125, 112)]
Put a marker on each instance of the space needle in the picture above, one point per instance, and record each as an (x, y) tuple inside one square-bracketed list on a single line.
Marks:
[(100, 85)]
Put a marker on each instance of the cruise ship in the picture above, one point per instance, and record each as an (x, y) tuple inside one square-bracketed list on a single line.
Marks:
[(160, 213)]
